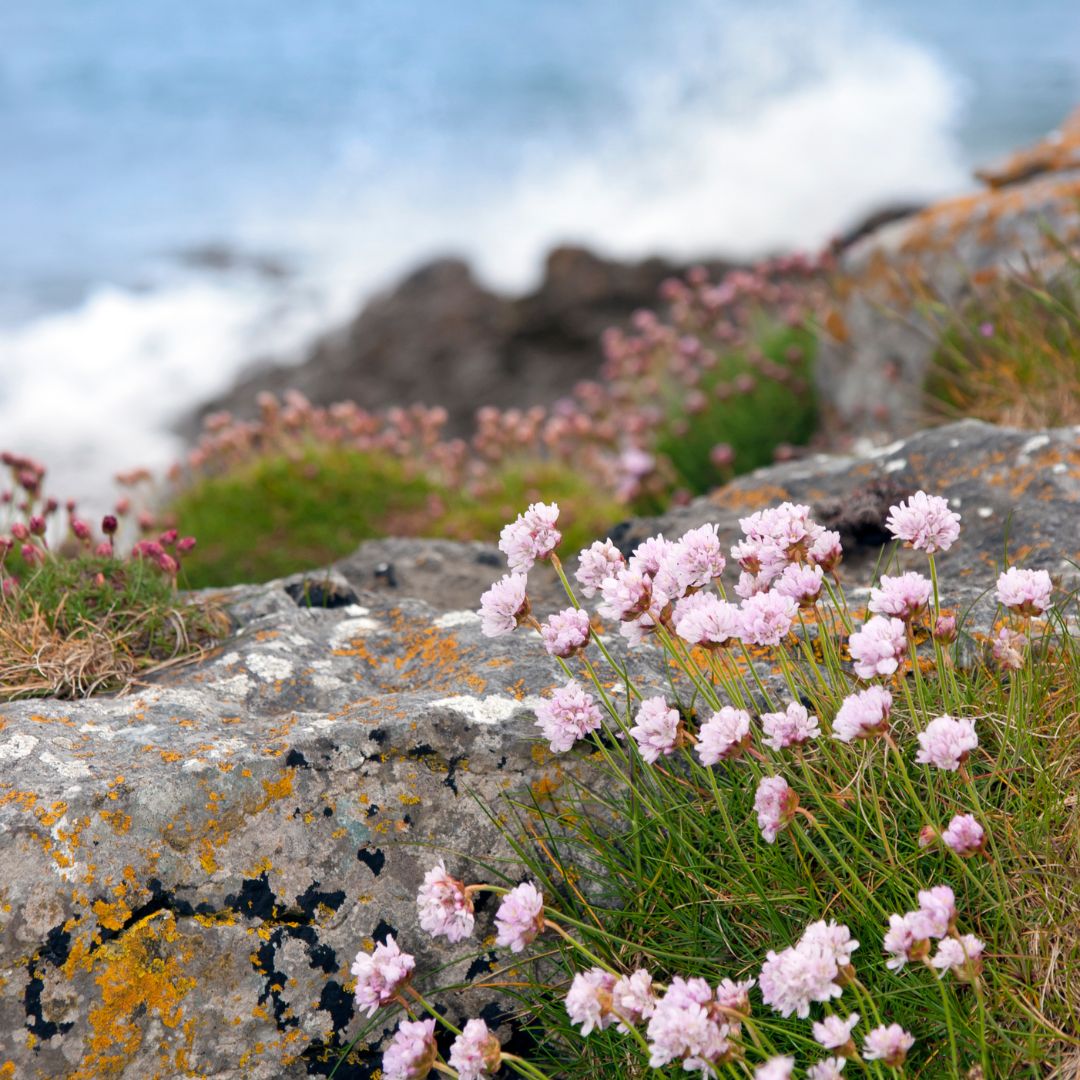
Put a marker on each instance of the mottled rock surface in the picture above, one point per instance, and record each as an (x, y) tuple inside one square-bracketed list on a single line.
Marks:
[(189, 870), (882, 324)]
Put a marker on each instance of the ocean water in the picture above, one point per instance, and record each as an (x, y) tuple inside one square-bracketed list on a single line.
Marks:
[(188, 186)]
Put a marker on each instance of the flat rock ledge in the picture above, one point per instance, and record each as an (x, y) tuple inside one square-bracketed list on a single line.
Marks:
[(190, 869)]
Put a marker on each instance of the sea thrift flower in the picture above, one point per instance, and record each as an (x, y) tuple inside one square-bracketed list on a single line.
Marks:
[(704, 619), (831, 1068), (109, 525), (566, 632), (767, 618), (411, 1053), (939, 906), (520, 917), (1027, 592), (1008, 649), (626, 594), (902, 597), (826, 550), (794, 978), (531, 537), (504, 606), (568, 715), (863, 714), (657, 729), (833, 937), (698, 559), (792, 727), (380, 974), (590, 998), (476, 1052), (734, 997), (651, 555), (633, 998), (906, 939), (888, 1044), (445, 907), (925, 523), (963, 957), (964, 835), (775, 803), (834, 1033), (945, 629), (683, 1027), (597, 562), (724, 735), (776, 1068), (801, 583), (878, 647), (946, 743)]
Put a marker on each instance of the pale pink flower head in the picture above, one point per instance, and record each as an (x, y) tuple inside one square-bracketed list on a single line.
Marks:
[(724, 735), (634, 999), (776, 1068), (792, 727), (380, 974), (947, 742), (657, 729), (802, 583), (520, 917), (698, 558), (684, 1027), (751, 584), (704, 619), (793, 979), (445, 908), (835, 938), (888, 1044), (833, 1033), (962, 956), (863, 714), (878, 647), (902, 597), (566, 632), (734, 997), (925, 523), (831, 1068), (597, 562), (476, 1052), (767, 618), (504, 606), (964, 835), (826, 550), (1026, 592), (569, 714), (590, 999), (1008, 649), (938, 904), (412, 1051), (907, 939), (775, 803), (626, 594), (650, 556), (531, 537), (945, 628)]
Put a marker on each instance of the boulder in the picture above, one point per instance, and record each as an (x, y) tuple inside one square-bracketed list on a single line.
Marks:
[(441, 338), (190, 869), (881, 327)]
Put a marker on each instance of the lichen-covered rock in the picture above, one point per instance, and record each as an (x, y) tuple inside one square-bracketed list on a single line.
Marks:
[(190, 869), (881, 328)]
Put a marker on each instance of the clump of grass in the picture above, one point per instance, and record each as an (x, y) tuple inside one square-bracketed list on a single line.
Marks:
[(1011, 355), (673, 857), (77, 617)]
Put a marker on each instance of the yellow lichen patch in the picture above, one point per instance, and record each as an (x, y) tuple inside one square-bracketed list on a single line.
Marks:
[(119, 821), (111, 916), (140, 975)]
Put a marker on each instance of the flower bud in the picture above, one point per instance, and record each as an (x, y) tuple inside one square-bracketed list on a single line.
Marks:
[(20, 531), (37, 525), (945, 628), (80, 529), (109, 525), (186, 544)]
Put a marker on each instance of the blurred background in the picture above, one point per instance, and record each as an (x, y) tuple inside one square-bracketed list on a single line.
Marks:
[(189, 187)]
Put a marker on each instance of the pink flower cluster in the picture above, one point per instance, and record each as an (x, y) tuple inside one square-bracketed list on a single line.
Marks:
[(504, 606), (947, 742), (792, 727), (909, 935), (1027, 592), (811, 970), (901, 597), (566, 632), (925, 523), (724, 735), (863, 715), (694, 1025), (380, 974), (657, 729), (520, 917), (412, 1052), (569, 714), (533, 536), (476, 1052), (878, 647), (444, 905), (775, 803)]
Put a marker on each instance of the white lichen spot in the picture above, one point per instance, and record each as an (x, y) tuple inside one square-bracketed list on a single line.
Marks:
[(888, 450), (1036, 442), (895, 465), (451, 619), (348, 629), (70, 770), (269, 668), (493, 709), (1060, 467), (356, 610), (17, 747), (985, 512), (954, 443), (195, 765), (230, 658)]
